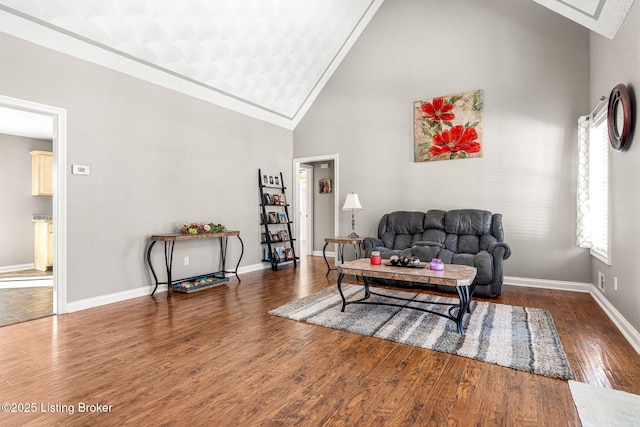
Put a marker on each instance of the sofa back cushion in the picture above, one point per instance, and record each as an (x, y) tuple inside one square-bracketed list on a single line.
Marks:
[(401, 229), (468, 221)]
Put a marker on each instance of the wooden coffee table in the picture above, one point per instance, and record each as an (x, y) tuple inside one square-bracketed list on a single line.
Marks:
[(459, 276)]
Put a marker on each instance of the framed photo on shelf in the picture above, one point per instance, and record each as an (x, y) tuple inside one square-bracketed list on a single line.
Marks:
[(270, 179), (266, 199), (283, 217), (284, 235), (281, 199), (263, 237), (288, 254), (267, 254), (273, 218), (275, 237), (276, 199), (280, 252)]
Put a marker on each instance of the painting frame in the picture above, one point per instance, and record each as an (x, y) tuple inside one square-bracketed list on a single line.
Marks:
[(448, 127)]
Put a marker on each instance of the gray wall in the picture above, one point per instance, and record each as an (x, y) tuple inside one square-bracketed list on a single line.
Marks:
[(323, 205), (16, 202), (533, 66), (158, 158), (612, 62)]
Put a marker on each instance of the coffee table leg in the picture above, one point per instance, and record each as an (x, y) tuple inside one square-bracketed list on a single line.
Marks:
[(367, 293), (344, 301), (465, 304), (324, 255)]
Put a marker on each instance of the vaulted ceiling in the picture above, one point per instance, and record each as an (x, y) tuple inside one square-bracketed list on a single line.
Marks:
[(265, 58)]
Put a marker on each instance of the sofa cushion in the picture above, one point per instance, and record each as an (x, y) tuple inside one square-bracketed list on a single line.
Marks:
[(468, 221), (405, 222), (468, 244), (433, 235), (434, 219)]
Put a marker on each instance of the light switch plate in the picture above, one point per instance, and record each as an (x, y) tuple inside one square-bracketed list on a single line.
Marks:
[(80, 170)]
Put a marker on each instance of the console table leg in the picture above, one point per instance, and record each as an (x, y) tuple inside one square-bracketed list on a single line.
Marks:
[(240, 258), (155, 277), (324, 255), (168, 260)]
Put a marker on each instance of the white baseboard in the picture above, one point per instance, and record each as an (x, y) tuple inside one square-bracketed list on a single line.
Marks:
[(18, 267), (548, 284), (629, 332), (26, 283), (319, 253), (88, 303)]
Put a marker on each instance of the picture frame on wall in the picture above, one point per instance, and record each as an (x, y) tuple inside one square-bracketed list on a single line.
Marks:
[(324, 186)]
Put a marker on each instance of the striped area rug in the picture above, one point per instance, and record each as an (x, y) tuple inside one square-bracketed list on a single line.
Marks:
[(517, 337)]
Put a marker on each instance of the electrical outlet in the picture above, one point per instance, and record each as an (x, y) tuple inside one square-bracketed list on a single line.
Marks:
[(186, 260), (615, 283), (600, 281)]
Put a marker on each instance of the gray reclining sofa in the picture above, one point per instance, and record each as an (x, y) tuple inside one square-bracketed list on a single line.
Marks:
[(466, 236)]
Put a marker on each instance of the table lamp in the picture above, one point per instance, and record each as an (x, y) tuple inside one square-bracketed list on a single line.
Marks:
[(352, 203)]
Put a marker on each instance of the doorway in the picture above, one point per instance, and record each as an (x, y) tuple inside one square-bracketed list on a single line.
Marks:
[(305, 208), (316, 211), (58, 118)]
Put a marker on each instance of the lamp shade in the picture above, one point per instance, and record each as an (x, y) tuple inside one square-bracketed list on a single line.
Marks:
[(352, 202)]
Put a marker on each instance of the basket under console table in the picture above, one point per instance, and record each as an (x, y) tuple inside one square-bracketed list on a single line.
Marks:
[(169, 242)]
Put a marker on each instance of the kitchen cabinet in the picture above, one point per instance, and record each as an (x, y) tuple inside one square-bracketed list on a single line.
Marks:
[(43, 245), (41, 173)]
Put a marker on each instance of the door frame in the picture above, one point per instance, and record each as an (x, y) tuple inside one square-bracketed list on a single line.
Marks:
[(59, 116), (296, 191), (309, 203)]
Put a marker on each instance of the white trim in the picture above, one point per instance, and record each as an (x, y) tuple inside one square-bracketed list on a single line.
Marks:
[(59, 116), (98, 301), (329, 254), (17, 267), (627, 330), (559, 285), (27, 283)]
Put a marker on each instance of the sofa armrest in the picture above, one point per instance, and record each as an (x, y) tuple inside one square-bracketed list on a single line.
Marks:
[(500, 250), (368, 243)]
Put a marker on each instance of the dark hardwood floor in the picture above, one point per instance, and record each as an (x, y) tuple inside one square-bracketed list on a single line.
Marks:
[(217, 358)]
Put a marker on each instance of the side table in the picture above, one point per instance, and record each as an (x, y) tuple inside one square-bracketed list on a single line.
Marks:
[(340, 241)]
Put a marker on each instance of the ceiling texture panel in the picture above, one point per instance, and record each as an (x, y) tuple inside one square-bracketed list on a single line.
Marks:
[(268, 55), (268, 59)]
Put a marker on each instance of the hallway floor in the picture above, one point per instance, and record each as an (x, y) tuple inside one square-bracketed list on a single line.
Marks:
[(24, 303)]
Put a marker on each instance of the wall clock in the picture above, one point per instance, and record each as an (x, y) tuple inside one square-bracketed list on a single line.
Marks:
[(619, 118)]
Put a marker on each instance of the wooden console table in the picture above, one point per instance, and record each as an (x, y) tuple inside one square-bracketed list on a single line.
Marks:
[(169, 242)]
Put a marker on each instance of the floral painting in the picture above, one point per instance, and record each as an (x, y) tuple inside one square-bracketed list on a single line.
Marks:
[(448, 127)]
